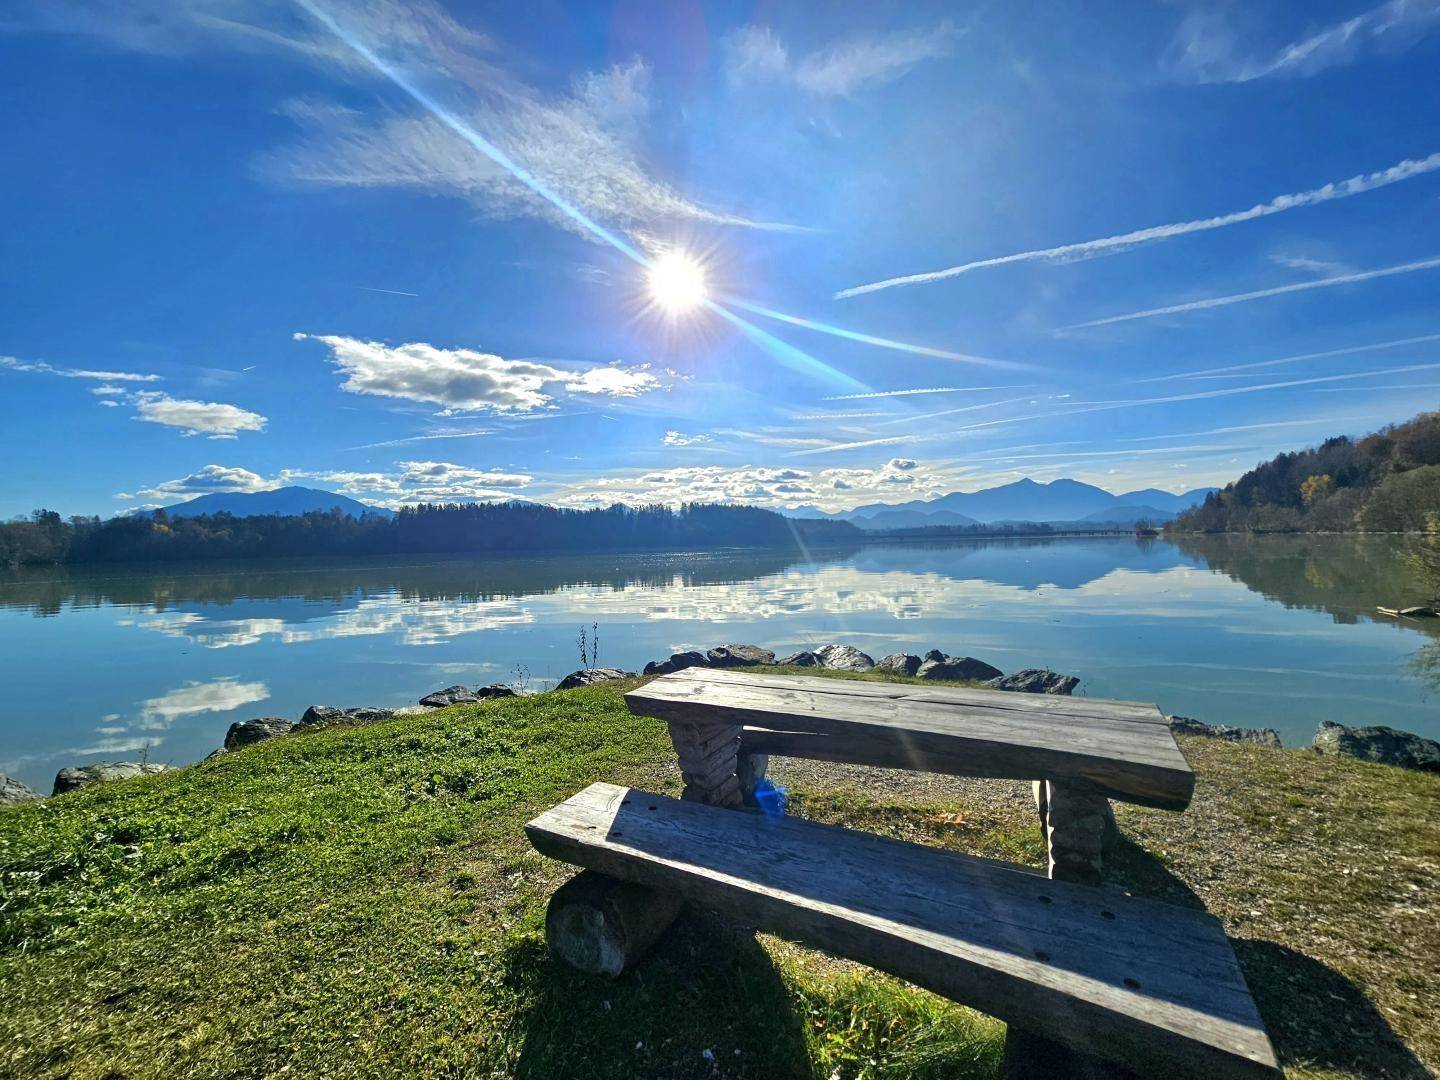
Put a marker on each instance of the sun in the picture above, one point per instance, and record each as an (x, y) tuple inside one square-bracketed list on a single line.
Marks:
[(677, 283)]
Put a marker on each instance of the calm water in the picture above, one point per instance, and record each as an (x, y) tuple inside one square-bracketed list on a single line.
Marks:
[(98, 663)]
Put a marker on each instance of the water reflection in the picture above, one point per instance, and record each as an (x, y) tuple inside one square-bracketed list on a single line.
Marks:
[(1279, 631)]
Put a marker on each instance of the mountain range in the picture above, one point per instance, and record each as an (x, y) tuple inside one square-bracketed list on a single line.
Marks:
[(284, 501), (1022, 501)]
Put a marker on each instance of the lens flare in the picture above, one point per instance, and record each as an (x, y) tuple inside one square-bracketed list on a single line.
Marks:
[(677, 283)]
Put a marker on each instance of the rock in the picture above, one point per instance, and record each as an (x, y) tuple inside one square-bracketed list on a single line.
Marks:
[(934, 654), (739, 656), (592, 676), (1184, 725), (844, 658), (899, 663), (1382, 744), (410, 710), (1035, 681), (677, 662), (451, 695), (12, 791), (800, 659), (958, 668), (495, 690), (219, 751), (89, 775), (325, 715), (252, 731)]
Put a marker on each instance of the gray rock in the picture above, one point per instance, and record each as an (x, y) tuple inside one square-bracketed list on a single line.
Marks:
[(959, 669), (89, 775), (12, 791), (676, 662), (934, 654), (1185, 725), (325, 715), (1382, 744), (219, 751), (844, 658), (899, 663), (739, 656), (409, 710), (1035, 681), (252, 731), (800, 659), (592, 676), (451, 695), (495, 690)]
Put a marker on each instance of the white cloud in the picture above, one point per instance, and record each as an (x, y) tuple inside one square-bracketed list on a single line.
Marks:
[(195, 698), (1260, 294), (466, 380), (204, 481), (412, 482), (1085, 249), (1207, 49), (755, 55), (40, 367), (213, 419), (679, 438)]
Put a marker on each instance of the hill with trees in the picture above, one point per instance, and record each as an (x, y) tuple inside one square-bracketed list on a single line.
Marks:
[(1388, 481)]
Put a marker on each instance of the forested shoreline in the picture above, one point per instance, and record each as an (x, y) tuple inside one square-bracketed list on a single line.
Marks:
[(1386, 482), (482, 528)]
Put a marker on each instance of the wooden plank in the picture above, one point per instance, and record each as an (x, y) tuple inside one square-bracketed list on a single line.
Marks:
[(1154, 987), (1126, 759)]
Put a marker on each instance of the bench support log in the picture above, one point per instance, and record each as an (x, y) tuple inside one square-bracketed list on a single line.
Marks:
[(708, 754), (1029, 1056), (750, 770), (1075, 824), (602, 926)]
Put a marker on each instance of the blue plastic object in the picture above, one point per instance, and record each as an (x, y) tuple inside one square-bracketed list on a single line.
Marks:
[(770, 798)]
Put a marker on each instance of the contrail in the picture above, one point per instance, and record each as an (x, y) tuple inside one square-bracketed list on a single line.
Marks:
[(925, 390), (1349, 350), (390, 292), (1260, 294), (1356, 185)]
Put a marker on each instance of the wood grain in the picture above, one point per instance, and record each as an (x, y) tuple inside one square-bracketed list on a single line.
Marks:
[(1154, 987)]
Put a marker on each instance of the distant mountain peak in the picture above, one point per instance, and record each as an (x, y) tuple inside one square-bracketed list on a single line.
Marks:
[(282, 501)]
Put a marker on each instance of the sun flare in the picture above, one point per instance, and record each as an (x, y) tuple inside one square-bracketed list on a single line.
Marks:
[(677, 283)]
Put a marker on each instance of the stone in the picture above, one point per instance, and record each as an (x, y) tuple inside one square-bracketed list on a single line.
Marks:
[(321, 714), (844, 658), (325, 715), (934, 654), (804, 658), (495, 690), (958, 669), (676, 662), (12, 791), (365, 714), (1184, 725), (1386, 745), (451, 695), (1035, 681), (899, 663), (219, 751), (248, 732), (73, 779), (739, 656), (592, 677), (410, 710)]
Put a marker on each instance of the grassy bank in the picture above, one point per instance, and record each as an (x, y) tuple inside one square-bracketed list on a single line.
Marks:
[(362, 902)]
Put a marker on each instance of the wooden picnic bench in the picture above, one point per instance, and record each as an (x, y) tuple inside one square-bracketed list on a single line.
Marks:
[(1092, 982)]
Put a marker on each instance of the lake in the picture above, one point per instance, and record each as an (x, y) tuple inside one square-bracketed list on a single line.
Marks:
[(100, 663)]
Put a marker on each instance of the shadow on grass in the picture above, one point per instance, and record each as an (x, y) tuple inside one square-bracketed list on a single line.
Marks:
[(1317, 1018), (707, 1000)]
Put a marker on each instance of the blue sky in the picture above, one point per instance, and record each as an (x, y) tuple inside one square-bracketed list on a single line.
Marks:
[(408, 251)]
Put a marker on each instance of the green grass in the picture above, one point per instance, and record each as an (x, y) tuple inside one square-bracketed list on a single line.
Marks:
[(362, 902)]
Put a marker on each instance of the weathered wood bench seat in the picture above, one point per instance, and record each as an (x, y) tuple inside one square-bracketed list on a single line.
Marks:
[(1151, 986)]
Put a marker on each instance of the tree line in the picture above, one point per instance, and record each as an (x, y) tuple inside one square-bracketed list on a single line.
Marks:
[(482, 528), (1388, 481)]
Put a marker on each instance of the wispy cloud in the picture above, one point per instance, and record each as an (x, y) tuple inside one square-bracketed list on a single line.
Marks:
[(1204, 373), (387, 292), (472, 434), (1206, 49), (679, 438), (921, 390), (1085, 249), (754, 54), (1260, 294), (40, 367)]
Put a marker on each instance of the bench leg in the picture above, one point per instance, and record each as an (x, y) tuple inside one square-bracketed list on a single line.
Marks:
[(602, 926), (1075, 823), (1029, 1056), (750, 770), (708, 756)]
